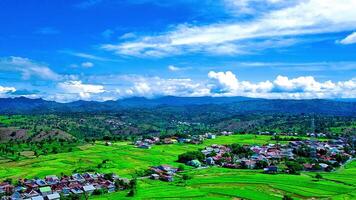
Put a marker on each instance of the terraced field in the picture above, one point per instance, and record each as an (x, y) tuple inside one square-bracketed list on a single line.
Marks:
[(210, 183), (123, 159), (220, 183)]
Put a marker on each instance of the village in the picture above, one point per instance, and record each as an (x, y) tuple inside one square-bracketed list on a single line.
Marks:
[(55, 188), (188, 139), (288, 157), (309, 155)]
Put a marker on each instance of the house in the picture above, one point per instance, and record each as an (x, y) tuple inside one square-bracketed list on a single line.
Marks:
[(115, 176), (144, 146), (167, 141), (211, 136), (2, 192), (167, 178), (40, 182), (323, 165), (270, 170), (194, 163), (78, 177), (76, 191), (308, 166), (154, 176), (19, 189), (37, 198), (16, 196), (108, 185), (45, 191), (6, 188), (111, 187), (88, 189), (32, 193), (65, 191), (210, 161), (52, 179), (54, 196), (124, 180)]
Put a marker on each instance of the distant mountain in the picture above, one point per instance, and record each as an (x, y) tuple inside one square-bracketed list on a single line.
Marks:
[(179, 101), (22, 105)]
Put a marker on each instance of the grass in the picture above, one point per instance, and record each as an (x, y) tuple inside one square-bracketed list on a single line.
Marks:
[(123, 159), (210, 183), (220, 183)]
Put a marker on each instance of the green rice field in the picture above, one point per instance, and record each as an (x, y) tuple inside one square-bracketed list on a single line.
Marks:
[(209, 183)]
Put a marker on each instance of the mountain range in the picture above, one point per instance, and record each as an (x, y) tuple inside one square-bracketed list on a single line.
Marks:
[(23, 105)]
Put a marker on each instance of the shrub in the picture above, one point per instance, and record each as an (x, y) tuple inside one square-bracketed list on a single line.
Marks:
[(287, 197), (318, 176), (192, 155)]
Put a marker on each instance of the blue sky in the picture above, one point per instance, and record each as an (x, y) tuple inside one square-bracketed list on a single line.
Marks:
[(103, 50)]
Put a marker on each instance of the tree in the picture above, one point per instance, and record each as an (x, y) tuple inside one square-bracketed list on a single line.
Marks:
[(181, 168), (318, 176), (133, 186), (186, 177), (260, 164), (192, 155), (287, 197), (293, 167)]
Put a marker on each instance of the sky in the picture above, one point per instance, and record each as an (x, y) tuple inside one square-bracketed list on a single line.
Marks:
[(112, 49)]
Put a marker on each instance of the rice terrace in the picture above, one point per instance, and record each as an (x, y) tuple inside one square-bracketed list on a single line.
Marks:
[(178, 99), (206, 183)]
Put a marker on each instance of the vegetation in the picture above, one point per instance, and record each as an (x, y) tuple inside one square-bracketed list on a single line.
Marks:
[(125, 160), (42, 138)]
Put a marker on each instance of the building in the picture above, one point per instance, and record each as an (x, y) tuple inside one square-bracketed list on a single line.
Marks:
[(54, 196), (88, 189)]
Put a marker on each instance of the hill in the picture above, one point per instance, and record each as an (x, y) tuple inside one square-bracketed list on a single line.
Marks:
[(22, 105)]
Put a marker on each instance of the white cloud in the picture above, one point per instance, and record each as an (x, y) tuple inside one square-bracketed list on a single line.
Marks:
[(4, 90), (127, 36), (174, 68), (227, 84), (350, 39), (302, 18), (88, 56), (84, 91), (227, 80), (28, 68), (87, 64)]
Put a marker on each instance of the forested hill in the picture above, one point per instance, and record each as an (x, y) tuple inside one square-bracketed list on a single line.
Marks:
[(24, 105)]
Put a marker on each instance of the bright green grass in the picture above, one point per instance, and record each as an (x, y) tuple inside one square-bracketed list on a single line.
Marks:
[(124, 159), (210, 183), (220, 183), (13, 119)]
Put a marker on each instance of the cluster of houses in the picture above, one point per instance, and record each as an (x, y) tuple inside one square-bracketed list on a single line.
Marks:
[(189, 139), (324, 153), (52, 187), (319, 135), (163, 172)]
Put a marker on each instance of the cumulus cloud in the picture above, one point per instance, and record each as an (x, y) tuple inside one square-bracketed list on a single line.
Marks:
[(288, 20), (156, 86), (28, 68), (350, 39), (87, 64), (84, 91), (229, 85), (282, 87), (5, 90)]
